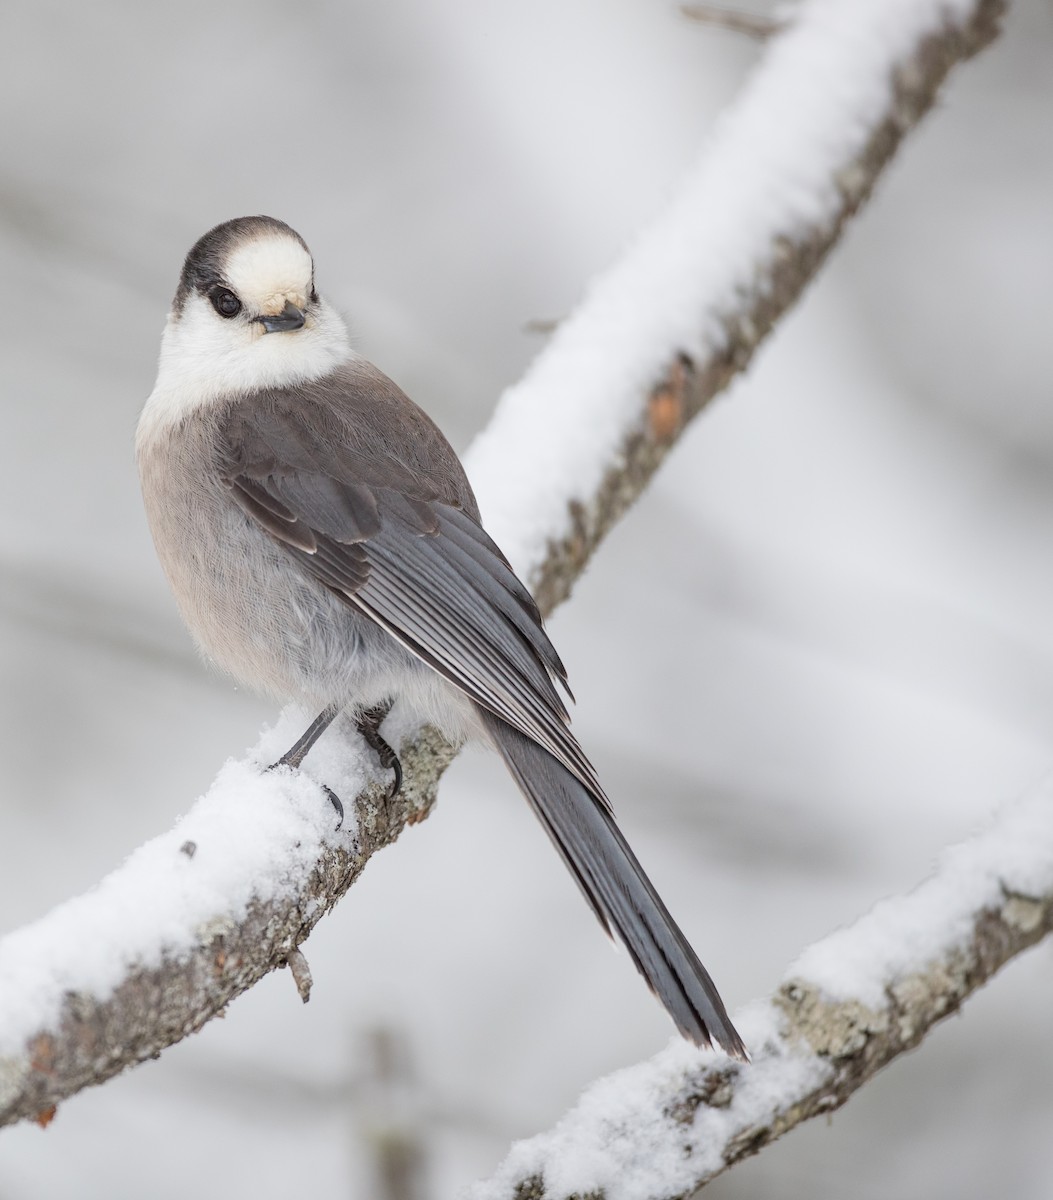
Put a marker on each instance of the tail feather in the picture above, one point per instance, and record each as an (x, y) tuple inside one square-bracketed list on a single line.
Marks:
[(619, 892)]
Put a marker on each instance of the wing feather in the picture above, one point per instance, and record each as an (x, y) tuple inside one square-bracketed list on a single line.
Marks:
[(438, 610), (401, 542)]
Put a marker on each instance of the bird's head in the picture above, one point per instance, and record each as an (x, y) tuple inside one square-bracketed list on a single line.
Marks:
[(247, 315)]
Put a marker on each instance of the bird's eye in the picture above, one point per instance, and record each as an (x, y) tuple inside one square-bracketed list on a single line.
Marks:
[(225, 302)]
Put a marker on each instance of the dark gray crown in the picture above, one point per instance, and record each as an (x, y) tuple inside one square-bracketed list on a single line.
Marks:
[(206, 263)]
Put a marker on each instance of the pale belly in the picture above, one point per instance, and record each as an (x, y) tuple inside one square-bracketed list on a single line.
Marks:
[(258, 616)]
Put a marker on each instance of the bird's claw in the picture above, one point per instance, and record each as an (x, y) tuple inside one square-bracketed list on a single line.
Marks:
[(333, 798), (368, 725), (336, 802)]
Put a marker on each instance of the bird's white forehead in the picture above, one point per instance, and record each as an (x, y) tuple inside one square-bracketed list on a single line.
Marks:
[(264, 268)]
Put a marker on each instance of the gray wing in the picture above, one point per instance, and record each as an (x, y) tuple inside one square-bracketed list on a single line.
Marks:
[(393, 531)]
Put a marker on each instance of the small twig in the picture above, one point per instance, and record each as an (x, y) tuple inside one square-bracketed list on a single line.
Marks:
[(753, 25), (542, 326), (300, 972)]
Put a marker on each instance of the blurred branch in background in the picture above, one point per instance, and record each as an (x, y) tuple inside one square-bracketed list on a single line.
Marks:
[(392, 1122), (753, 25), (65, 605), (787, 194)]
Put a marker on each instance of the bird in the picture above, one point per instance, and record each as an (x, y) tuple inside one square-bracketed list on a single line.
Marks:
[(324, 547)]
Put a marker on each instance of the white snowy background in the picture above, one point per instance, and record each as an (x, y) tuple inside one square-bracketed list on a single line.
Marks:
[(818, 650)]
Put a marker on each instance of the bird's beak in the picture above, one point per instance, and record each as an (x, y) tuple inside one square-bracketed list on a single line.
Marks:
[(288, 319)]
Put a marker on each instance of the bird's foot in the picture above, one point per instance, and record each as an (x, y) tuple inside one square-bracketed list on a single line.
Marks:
[(368, 724), (334, 799), (294, 756), (336, 802)]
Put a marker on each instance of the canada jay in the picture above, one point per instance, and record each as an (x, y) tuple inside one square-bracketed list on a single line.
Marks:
[(324, 546)]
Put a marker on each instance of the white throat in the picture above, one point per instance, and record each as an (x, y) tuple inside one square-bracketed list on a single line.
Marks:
[(204, 360)]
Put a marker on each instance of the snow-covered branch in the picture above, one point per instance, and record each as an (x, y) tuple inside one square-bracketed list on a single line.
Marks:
[(199, 914), (848, 1006), (665, 330)]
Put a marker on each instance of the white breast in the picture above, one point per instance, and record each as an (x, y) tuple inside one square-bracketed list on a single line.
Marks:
[(204, 360)]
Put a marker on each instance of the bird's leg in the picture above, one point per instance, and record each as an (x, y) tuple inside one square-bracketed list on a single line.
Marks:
[(368, 722), (295, 755)]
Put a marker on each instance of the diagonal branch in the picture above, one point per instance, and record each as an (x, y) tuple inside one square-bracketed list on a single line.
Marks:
[(201, 913), (850, 1005)]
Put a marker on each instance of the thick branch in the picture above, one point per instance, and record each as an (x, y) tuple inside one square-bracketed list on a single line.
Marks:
[(64, 1027), (849, 1006)]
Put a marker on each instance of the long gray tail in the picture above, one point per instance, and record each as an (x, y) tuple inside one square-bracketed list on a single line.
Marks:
[(616, 887)]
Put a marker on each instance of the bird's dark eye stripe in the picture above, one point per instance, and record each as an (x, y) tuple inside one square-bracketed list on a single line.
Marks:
[(225, 302)]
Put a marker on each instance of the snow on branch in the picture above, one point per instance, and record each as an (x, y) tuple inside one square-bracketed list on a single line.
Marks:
[(199, 914), (665, 329), (847, 1007)]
